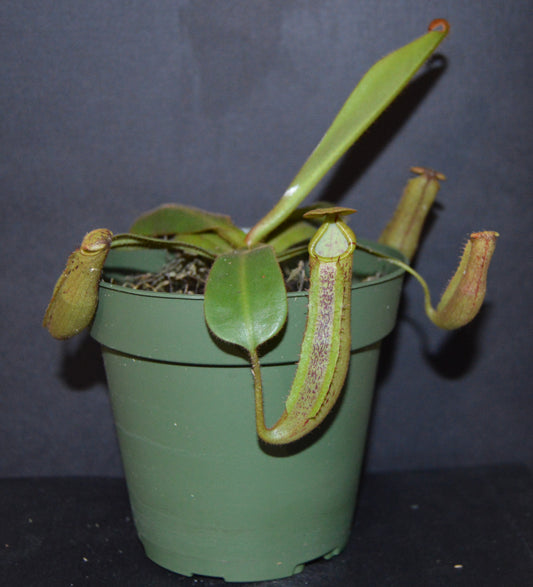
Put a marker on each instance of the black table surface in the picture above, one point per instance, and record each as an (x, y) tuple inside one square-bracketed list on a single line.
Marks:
[(471, 527)]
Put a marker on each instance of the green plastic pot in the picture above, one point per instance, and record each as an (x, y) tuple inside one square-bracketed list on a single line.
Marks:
[(207, 497)]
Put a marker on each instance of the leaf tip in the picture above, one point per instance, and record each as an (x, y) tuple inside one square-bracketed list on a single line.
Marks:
[(439, 24)]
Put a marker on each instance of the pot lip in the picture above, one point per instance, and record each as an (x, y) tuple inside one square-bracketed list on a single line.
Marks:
[(394, 274)]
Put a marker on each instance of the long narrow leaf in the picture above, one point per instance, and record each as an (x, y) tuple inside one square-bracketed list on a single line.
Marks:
[(377, 89)]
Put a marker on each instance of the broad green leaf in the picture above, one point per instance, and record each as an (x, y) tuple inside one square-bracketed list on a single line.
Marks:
[(188, 244), (173, 219), (245, 297), (376, 90), (208, 241)]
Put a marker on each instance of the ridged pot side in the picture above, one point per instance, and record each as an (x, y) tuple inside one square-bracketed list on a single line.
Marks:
[(207, 497)]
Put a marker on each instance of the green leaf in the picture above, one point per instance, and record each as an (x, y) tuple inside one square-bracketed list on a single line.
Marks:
[(294, 234), (295, 230), (208, 241), (245, 297), (186, 242), (377, 89), (173, 219)]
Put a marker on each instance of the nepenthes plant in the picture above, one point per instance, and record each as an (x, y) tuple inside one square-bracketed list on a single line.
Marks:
[(245, 294)]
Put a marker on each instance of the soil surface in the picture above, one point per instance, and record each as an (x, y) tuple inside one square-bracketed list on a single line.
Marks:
[(187, 274)]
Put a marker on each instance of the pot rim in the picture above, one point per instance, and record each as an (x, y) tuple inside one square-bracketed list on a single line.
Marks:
[(392, 273)]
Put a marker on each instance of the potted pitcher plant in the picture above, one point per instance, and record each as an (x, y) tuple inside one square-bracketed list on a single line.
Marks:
[(241, 363)]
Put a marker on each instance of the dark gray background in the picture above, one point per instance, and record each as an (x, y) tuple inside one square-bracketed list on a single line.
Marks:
[(111, 108)]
